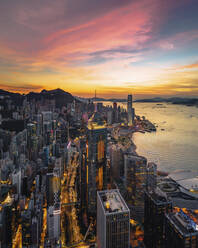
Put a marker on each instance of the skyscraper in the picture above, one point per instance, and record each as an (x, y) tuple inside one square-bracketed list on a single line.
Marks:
[(53, 223), (96, 159), (113, 220), (181, 230), (26, 228), (130, 110), (7, 222), (52, 189), (156, 205), (135, 177)]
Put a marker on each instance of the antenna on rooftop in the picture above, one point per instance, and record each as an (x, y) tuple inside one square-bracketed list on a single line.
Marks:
[(95, 94)]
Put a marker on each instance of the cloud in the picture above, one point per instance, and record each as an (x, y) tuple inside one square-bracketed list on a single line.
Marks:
[(21, 88), (191, 66), (88, 43)]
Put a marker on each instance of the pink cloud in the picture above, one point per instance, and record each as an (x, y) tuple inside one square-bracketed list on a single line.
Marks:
[(178, 40), (129, 26)]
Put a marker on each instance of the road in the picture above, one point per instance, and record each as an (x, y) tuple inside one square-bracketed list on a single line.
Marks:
[(69, 220)]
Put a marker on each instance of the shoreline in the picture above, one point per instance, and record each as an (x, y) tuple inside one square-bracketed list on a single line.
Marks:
[(134, 147)]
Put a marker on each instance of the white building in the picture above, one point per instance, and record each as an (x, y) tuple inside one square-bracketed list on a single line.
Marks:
[(113, 220), (16, 180), (53, 223)]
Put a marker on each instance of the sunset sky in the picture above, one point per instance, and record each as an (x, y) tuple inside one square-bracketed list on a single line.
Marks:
[(144, 47)]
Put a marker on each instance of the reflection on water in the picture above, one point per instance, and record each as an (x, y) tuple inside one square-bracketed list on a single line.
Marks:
[(175, 144)]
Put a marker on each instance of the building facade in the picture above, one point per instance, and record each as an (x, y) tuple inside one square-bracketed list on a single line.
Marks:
[(113, 220), (156, 205), (181, 230), (96, 159)]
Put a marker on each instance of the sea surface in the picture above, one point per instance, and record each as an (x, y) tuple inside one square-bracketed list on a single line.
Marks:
[(174, 146)]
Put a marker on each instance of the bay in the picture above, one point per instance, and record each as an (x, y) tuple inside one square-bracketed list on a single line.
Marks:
[(174, 146)]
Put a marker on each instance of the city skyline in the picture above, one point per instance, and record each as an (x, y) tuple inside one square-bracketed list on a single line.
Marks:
[(148, 47)]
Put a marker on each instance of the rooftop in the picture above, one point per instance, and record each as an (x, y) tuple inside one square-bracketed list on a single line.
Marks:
[(159, 197), (112, 201), (186, 178), (185, 222), (96, 121)]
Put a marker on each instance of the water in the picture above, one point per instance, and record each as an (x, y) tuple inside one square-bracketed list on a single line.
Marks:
[(175, 147)]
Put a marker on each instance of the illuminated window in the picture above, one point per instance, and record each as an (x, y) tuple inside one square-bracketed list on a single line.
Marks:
[(100, 149)]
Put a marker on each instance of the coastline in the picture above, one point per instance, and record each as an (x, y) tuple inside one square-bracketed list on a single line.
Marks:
[(133, 150)]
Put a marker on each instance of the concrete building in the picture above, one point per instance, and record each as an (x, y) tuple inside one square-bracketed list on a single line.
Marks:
[(151, 177), (96, 159), (156, 205), (135, 175), (16, 180), (53, 222), (113, 220), (181, 229), (52, 189), (130, 110), (117, 161), (110, 117)]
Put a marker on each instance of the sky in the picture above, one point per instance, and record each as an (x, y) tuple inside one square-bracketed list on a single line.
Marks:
[(143, 47)]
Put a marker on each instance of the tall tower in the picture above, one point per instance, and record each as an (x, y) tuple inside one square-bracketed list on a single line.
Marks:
[(130, 110), (96, 159), (156, 205), (113, 216), (181, 229)]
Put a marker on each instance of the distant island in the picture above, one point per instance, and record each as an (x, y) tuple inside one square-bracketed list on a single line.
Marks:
[(173, 100), (61, 97)]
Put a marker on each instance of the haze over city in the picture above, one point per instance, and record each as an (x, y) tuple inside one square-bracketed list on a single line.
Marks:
[(148, 47)]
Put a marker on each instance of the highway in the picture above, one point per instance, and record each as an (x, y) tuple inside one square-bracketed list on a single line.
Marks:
[(71, 235)]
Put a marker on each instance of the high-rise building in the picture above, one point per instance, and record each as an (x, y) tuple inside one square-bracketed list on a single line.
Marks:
[(130, 110), (26, 228), (96, 159), (35, 232), (156, 205), (7, 221), (52, 189), (181, 230), (113, 220), (110, 117), (117, 161), (135, 177), (53, 222), (16, 180), (151, 180), (115, 113)]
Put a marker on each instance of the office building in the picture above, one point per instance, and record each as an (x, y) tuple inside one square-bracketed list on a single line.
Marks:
[(113, 220), (110, 117), (135, 177), (26, 228), (52, 189), (16, 180), (151, 177), (35, 234), (96, 159), (156, 205), (117, 161), (53, 222), (7, 221), (130, 110), (181, 229)]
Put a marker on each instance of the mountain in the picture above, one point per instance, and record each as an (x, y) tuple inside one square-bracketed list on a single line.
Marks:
[(173, 100), (16, 97), (156, 99), (60, 96)]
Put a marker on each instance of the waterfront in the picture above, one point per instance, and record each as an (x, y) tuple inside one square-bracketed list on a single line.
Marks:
[(175, 144)]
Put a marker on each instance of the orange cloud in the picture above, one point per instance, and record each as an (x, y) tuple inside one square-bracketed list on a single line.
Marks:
[(191, 66)]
